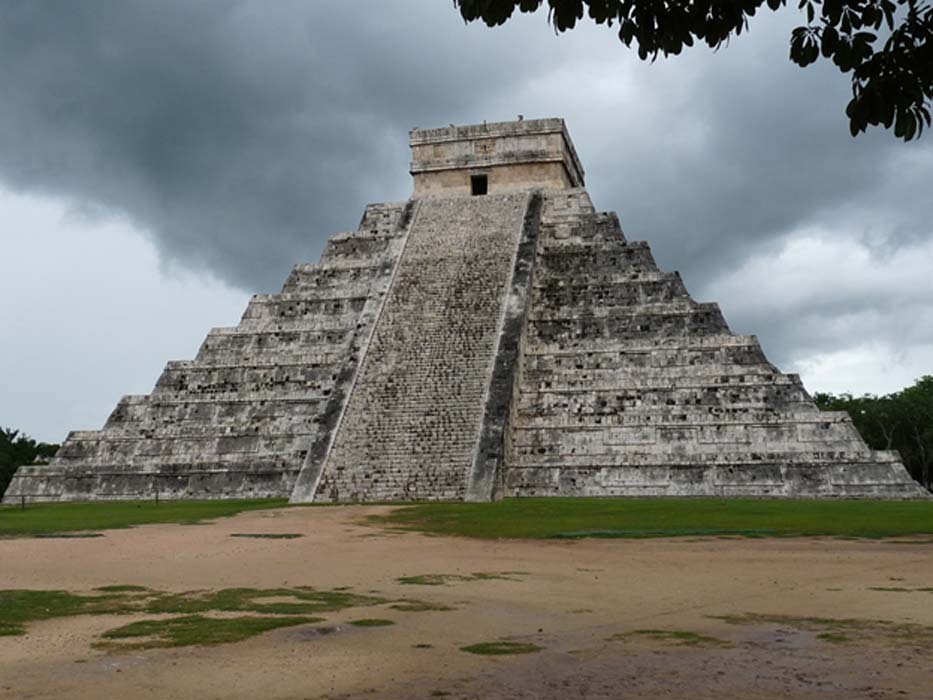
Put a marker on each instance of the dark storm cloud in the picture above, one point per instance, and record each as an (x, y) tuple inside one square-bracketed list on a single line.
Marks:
[(239, 135), (748, 148)]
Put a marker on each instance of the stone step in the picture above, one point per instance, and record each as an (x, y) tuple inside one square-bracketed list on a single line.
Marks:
[(312, 277), (566, 204), (252, 391), (635, 255), (545, 281), (664, 416), (323, 296), (272, 427), (320, 275), (621, 367), (135, 451), (786, 389), (339, 264), (702, 319), (348, 320), (194, 375), (599, 230), (647, 310), (166, 482), (647, 344), (703, 455), (358, 248), (786, 434), (213, 423), (226, 363), (308, 358), (875, 478), (728, 359), (584, 295), (253, 346), (386, 217), (288, 404), (630, 386)]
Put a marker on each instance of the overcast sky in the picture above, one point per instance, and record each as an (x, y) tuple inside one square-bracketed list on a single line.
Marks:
[(161, 161)]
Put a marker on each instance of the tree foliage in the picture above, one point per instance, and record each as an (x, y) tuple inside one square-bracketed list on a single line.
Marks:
[(17, 449), (901, 421), (886, 45)]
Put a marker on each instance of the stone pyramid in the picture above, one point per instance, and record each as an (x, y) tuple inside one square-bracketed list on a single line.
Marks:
[(492, 336)]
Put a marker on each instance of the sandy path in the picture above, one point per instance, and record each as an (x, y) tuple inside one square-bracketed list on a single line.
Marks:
[(571, 597)]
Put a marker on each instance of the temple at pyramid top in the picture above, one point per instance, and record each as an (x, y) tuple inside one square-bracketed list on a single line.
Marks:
[(494, 157), (492, 336)]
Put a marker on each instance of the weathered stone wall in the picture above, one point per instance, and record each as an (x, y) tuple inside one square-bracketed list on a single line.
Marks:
[(240, 420), (520, 155), (413, 421), (511, 178), (629, 387)]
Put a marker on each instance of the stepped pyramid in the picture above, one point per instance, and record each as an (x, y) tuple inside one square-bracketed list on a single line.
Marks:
[(492, 336)]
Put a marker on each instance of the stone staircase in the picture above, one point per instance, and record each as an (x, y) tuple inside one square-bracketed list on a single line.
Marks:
[(414, 419)]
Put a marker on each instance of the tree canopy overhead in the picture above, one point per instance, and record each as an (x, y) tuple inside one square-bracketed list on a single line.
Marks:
[(886, 45)]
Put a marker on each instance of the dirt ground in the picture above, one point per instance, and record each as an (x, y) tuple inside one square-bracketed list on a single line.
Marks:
[(581, 601)]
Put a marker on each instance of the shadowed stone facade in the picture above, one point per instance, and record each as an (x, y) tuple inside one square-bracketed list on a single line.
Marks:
[(493, 336)]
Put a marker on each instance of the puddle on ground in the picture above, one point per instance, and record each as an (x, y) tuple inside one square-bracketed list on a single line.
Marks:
[(310, 634)]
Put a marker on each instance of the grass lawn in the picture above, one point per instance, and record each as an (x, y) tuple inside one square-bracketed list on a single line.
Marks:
[(19, 607), (193, 629), (664, 517), (48, 518)]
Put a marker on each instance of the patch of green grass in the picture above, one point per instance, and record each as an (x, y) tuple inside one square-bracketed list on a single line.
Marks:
[(428, 579), (303, 600), (909, 542), (664, 517), (680, 638), (795, 621), (17, 607), (422, 646), (371, 622), (46, 518), (668, 532), (194, 630), (834, 637), (444, 579), (501, 648), (67, 535), (122, 588), (419, 606), (268, 535), (890, 589)]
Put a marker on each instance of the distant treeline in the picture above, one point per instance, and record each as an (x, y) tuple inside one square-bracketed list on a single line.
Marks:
[(17, 449), (901, 421)]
